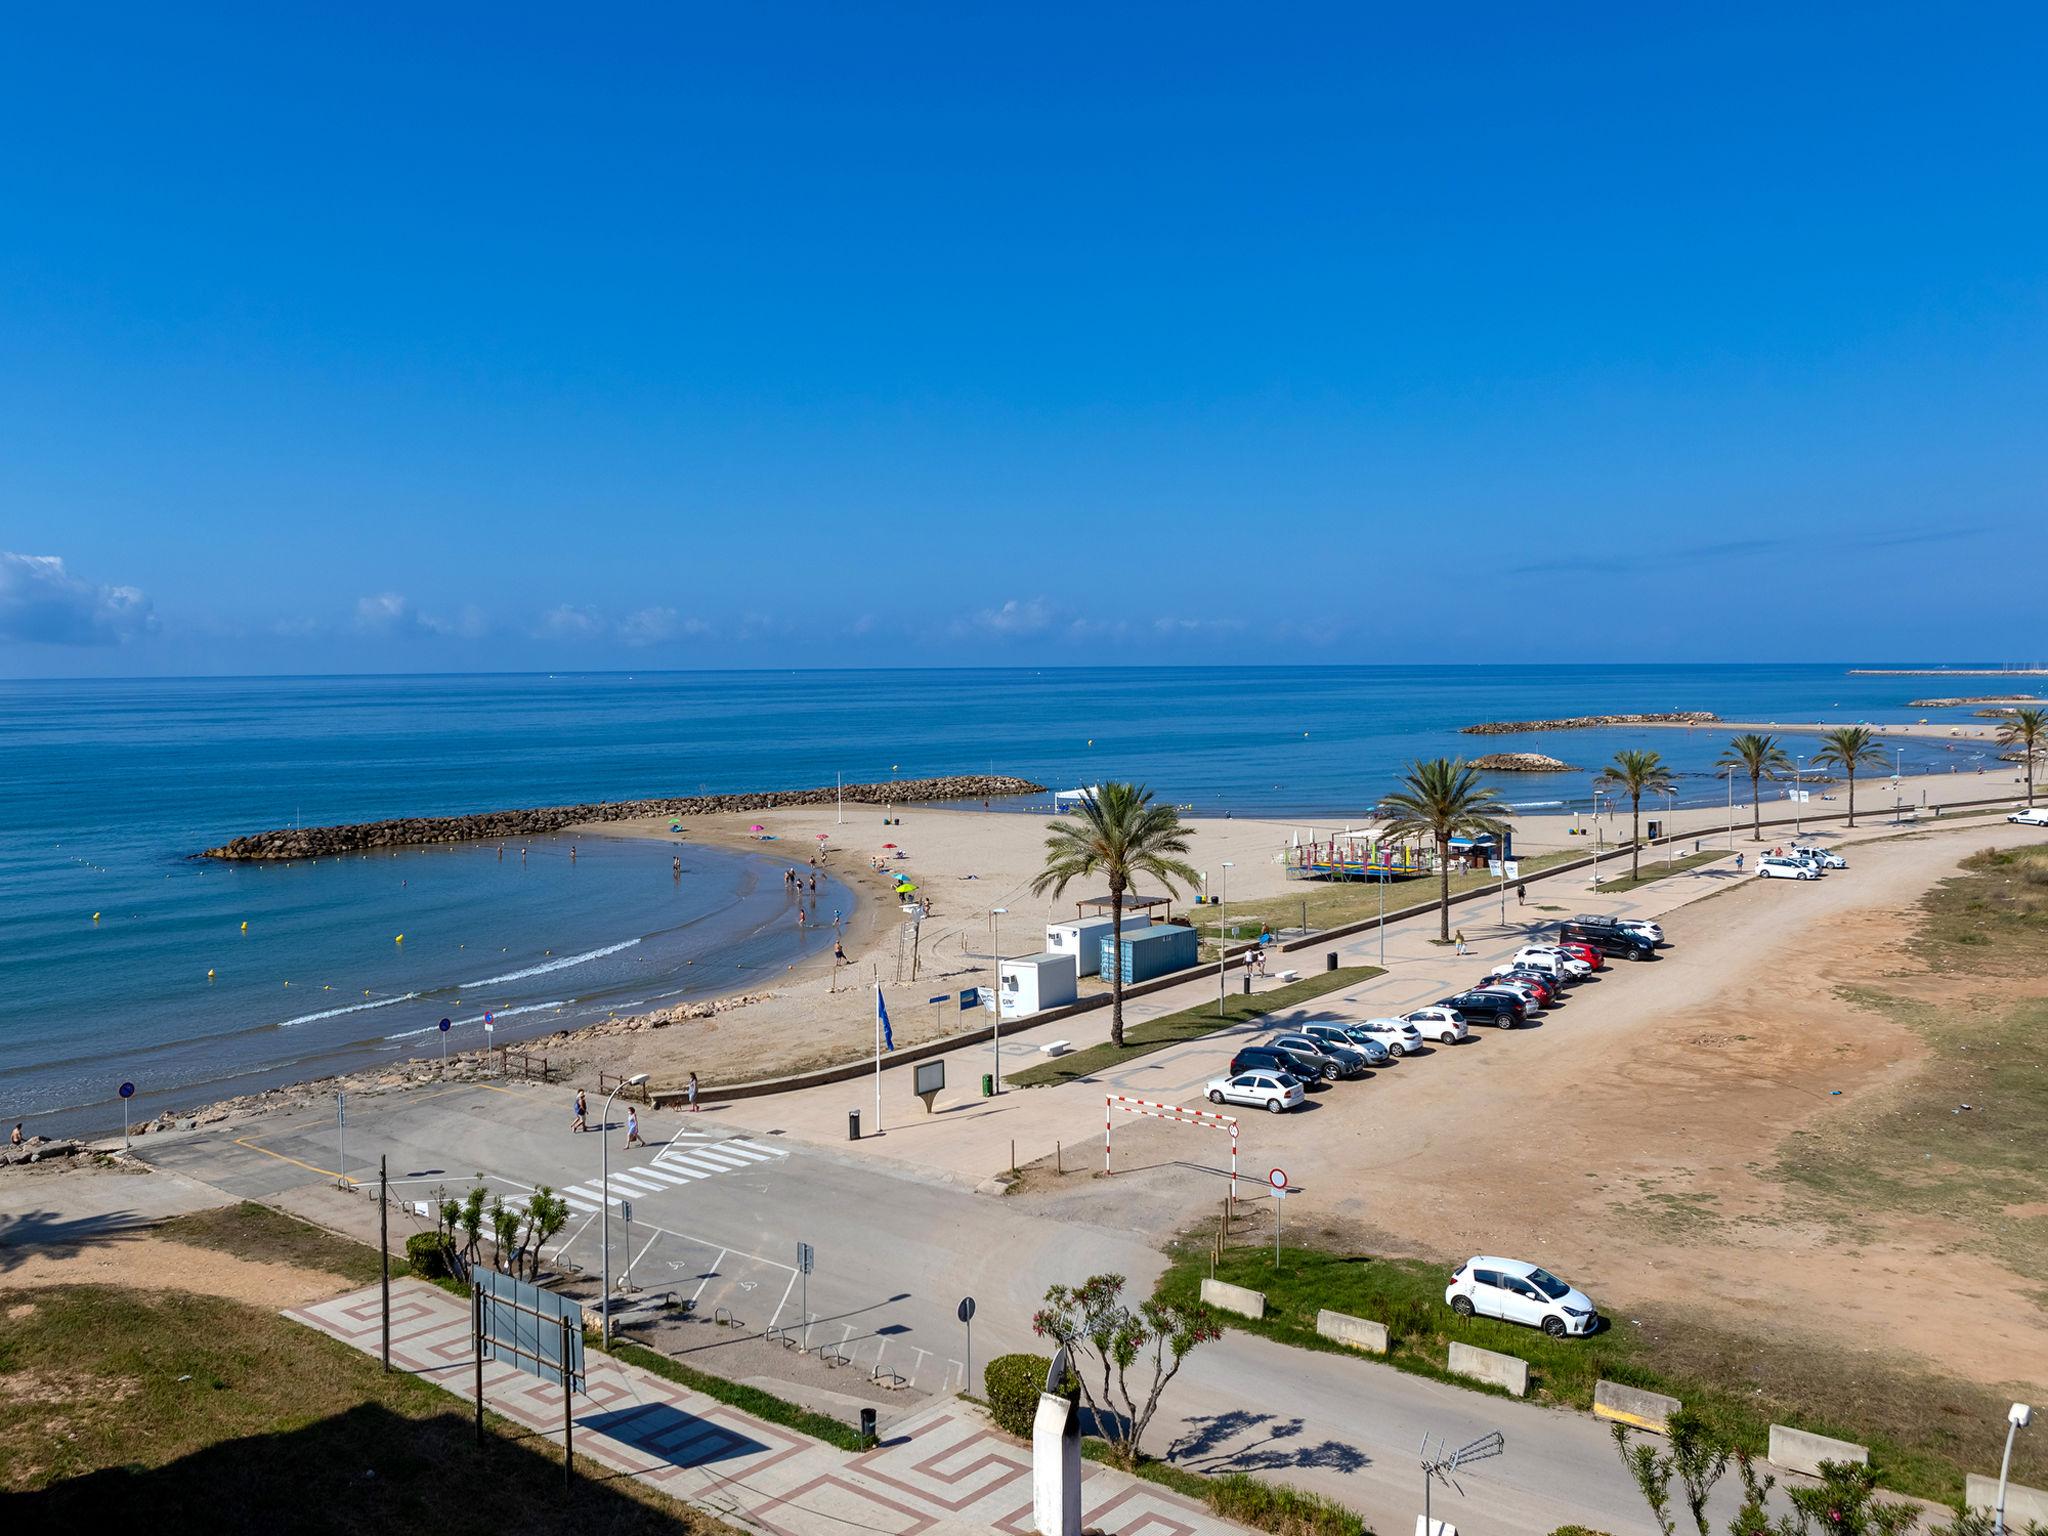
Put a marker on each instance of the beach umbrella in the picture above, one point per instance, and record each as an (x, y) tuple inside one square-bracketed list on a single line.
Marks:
[(757, 827), (888, 845)]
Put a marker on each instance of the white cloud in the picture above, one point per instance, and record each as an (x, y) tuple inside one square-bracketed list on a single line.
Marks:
[(651, 626), (42, 603), (566, 621), (1016, 619)]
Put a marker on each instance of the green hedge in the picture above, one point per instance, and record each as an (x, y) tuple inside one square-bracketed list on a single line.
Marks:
[(428, 1253), (1013, 1383)]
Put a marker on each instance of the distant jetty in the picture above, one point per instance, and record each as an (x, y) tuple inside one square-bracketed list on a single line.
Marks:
[(1521, 762), (1948, 671), (1588, 722), (1980, 698), (490, 826)]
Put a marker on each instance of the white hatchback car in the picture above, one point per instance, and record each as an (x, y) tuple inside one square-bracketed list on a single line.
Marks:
[(1443, 1024), (1274, 1091), (1397, 1035), (1520, 1293), (1777, 867), (1555, 961), (2032, 816), (1826, 858)]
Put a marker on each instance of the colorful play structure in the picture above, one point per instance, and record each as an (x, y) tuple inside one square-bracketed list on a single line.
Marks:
[(1362, 855)]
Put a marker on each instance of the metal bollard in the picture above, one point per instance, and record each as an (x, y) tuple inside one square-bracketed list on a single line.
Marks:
[(853, 1125), (1330, 961)]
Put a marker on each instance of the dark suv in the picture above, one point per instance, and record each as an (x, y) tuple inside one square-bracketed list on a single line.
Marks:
[(1496, 1008), (1272, 1058), (1609, 939)]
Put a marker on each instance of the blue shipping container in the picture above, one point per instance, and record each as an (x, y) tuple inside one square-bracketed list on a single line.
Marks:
[(1152, 952)]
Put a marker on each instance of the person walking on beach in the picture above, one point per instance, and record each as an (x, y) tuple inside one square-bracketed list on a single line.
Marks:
[(799, 917), (838, 953), (677, 866), (691, 1090), (580, 1121), (633, 1129)]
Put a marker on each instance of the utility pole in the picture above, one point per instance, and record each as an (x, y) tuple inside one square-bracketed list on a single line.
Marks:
[(384, 1246)]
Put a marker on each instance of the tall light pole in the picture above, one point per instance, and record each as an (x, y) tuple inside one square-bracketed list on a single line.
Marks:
[(1798, 794), (1670, 815), (1222, 932), (2017, 1418), (604, 1304), (995, 944)]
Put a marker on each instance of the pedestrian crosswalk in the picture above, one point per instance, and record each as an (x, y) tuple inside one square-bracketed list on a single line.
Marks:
[(681, 1163)]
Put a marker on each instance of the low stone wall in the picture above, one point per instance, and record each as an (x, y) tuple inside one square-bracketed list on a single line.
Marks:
[(1226, 1297), (494, 826), (1587, 722), (1491, 1367), (1797, 1450), (2021, 1504), (1633, 1406), (1357, 1332)]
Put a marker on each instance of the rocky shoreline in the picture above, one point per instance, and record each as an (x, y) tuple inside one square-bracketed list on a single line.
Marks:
[(1521, 762), (1590, 722), (488, 826), (1975, 698)]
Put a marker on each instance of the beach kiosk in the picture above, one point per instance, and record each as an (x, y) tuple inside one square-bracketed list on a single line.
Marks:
[(1033, 983), (1154, 952), (1082, 938)]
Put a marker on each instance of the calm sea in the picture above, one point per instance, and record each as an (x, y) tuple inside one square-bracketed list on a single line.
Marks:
[(110, 786)]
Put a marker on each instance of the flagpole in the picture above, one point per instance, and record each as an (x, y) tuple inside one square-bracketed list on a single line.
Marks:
[(878, 1053)]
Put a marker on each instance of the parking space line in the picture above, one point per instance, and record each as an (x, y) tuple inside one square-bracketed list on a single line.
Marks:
[(785, 1301), (710, 1274), (642, 1253)]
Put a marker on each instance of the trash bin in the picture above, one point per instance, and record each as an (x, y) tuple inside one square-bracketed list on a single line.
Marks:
[(988, 1085), (1247, 983), (867, 1425), (853, 1125), (1330, 961)]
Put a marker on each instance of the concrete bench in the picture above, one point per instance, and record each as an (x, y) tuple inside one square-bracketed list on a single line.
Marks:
[(1634, 1406), (1798, 1451), (1234, 1298), (1506, 1371), (1055, 1047), (1357, 1332), (1287, 975)]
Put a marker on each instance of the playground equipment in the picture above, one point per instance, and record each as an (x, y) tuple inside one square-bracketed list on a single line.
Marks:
[(1364, 855)]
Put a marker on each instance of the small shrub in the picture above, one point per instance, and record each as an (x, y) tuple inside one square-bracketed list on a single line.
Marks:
[(428, 1253), (1013, 1383), (1577, 1530), (1282, 1510)]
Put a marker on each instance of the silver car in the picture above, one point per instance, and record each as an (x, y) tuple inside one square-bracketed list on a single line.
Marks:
[(1344, 1061), (1350, 1037)]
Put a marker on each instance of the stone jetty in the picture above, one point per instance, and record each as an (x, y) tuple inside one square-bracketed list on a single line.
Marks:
[(1588, 722), (1974, 698), (1520, 762), (494, 826)]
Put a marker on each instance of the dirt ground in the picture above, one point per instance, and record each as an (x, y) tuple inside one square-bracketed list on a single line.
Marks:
[(153, 1263)]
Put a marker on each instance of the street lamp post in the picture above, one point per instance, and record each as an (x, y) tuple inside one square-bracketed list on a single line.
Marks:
[(2017, 1418), (1798, 794), (604, 1304), (1222, 932), (995, 944), (1670, 815)]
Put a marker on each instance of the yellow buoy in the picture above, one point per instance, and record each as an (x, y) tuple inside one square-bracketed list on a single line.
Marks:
[(245, 925), (209, 973), (399, 940), (95, 917), (287, 983)]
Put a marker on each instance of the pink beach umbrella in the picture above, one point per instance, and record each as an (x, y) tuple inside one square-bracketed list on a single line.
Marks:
[(757, 827)]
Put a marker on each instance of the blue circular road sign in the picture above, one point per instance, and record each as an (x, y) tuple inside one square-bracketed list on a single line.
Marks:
[(127, 1090), (444, 1026)]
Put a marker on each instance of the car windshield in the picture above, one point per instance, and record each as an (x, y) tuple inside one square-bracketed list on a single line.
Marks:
[(1548, 1283)]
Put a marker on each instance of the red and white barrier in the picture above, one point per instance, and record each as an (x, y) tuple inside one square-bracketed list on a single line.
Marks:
[(1201, 1119)]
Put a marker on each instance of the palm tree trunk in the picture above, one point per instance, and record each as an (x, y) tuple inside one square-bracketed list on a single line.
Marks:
[(1635, 837), (1116, 970), (1756, 810), (1443, 888), (1852, 796)]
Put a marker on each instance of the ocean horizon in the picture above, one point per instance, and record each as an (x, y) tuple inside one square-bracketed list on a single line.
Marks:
[(117, 783)]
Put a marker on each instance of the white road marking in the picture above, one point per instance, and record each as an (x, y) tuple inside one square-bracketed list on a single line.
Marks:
[(643, 1252), (785, 1300), (711, 1274)]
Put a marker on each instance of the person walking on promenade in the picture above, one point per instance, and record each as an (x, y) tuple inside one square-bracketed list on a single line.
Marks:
[(1738, 863), (692, 1091), (633, 1129), (1521, 895), (581, 1120), (1459, 939)]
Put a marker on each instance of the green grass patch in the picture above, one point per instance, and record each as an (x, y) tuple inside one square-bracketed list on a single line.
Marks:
[(1246, 1499), (120, 1409), (252, 1231), (1141, 1039), (1340, 903), (762, 1405), (1924, 1431), (1655, 869)]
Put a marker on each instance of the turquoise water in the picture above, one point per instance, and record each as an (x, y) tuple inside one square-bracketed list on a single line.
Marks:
[(111, 786)]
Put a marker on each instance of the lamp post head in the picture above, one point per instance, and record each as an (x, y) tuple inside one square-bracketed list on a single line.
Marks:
[(998, 911), (2019, 1415), (637, 1079)]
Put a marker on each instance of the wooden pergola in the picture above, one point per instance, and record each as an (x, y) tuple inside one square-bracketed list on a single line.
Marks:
[(1132, 903)]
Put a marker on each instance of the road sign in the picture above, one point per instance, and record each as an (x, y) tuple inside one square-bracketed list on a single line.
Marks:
[(444, 1026), (1514, 869), (127, 1090), (1278, 1179), (625, 1210), (341, 1109), (969, 997), (965, 1312), (806, 1257)]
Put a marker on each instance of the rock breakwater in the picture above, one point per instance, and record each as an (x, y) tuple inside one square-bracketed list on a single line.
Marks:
[(1974, 698), (1589, 722), (1520, 762), (486, 826)]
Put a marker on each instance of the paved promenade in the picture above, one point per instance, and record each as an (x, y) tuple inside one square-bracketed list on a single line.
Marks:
[(942, 1470)]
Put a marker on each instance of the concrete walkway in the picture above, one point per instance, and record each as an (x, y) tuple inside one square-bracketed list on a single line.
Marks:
[(944, 1469)]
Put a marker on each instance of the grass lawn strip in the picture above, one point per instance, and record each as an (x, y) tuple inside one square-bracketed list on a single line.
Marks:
[(1657, 870), (1142, 1039), (1246, 1499), (252, 1231)]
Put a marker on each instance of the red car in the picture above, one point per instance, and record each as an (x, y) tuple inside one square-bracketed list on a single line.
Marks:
[(1545, 988), (1585, 952)]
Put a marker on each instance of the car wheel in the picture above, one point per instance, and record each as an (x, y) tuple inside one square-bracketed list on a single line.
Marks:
[(1448, 1038), (1554, 1326), (1274, 1106), (1506, 1021), (1394, 1051), (1462, 1305), (1215, 1097)]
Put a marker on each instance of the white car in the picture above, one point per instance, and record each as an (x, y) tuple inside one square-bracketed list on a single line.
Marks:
[(1397, 1035), (1556, 961), (1824, 858), (1520, 1293), (1777, 867), (1444, 1024), (1274, 1091), (2032, 816)]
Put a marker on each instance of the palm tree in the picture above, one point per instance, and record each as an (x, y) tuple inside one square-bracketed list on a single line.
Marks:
[(1636, 774), (2026, 729), (1120, 834), (1441, 798), (1849, 748), (1761, 758)]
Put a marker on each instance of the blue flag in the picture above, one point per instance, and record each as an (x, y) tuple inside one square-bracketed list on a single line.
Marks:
[(882, 1018)]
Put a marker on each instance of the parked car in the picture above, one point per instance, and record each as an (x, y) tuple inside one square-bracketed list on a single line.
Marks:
[(1557, 962), (1584, 951), (1612, 940), (1773, 866), (1275, 1091), (1496, 1008), (1826, 858), (2032, 816), (1265, 1058), (1346, 1058), (1642, 925), (1397, 1037), (1438, 1023), (1520, 1293), (1356, 1036), (1531, 999), (1811, 858), (1548, 988)]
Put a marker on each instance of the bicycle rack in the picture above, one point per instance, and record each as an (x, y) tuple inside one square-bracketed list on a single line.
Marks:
[(888, 1379), (723, 1318)]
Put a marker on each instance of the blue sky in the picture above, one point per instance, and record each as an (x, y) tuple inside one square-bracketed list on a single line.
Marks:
[(504, 337)]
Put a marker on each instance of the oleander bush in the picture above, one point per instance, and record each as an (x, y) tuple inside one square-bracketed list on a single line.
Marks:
[(1013, 1383)]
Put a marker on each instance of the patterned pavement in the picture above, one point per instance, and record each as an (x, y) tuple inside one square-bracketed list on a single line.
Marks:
[(941, 1470)]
